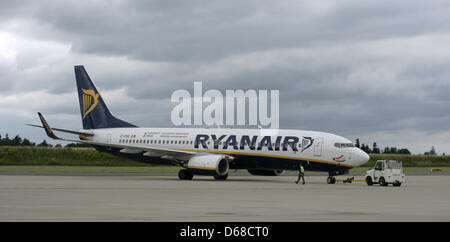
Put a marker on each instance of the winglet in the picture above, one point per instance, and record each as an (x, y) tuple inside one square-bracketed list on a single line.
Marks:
[(47, 128)]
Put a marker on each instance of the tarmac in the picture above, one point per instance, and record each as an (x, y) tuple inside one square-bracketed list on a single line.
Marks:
[(241, 198)]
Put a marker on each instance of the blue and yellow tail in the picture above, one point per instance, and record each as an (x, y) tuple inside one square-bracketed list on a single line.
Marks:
[(94, 113)]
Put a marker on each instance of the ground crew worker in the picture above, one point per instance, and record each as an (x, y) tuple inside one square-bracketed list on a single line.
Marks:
[(301, 173)]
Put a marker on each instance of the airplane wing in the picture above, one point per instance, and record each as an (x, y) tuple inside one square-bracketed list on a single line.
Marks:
[(48, 129), (150, 151), (64, 130)]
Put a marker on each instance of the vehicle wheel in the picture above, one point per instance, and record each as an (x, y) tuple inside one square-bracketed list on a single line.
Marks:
[(397, 184), (218, 177), (333, 180), (184, 174), (383, 182), (369, 181)]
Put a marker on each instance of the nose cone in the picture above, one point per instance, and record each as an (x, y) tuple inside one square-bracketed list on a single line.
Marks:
[(361, 157)]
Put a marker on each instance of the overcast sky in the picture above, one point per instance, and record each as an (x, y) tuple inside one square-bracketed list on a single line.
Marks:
[(374, 70)]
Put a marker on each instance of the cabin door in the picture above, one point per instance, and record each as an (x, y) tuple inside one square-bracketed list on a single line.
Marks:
[(318, 142)]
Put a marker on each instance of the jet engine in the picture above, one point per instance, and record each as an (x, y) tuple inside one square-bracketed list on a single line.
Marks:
[(257, 172), (208, 165)]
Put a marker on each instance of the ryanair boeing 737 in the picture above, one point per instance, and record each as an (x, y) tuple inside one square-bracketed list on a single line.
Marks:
[(212, 152)]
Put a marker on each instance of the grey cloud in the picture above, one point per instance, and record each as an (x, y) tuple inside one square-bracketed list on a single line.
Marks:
[(199, 30), (356, 68)]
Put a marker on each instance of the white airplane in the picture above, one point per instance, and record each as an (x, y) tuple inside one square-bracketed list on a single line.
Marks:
[(212, 152)]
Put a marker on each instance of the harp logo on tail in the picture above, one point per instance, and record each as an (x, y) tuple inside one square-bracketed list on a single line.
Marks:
[(90, 101)]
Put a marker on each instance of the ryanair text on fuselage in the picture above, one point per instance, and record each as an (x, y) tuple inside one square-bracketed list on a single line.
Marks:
[(266, 141)]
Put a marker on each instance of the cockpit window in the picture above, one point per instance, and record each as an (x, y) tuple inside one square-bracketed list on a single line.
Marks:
[(344, 145)]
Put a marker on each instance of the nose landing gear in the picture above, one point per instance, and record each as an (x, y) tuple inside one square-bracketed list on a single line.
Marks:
[(331, 180)]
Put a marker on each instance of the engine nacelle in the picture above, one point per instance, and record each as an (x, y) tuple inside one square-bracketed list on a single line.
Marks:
[(208, 165), (257, 172)]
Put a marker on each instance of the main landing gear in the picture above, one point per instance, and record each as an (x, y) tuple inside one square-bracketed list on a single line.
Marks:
[(184, 174)]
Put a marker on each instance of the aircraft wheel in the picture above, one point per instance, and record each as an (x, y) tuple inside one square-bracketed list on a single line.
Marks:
[(331, 180), (218, 177), (184, 174)]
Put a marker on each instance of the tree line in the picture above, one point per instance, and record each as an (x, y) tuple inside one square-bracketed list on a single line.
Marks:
[(19, 141), (376, 150), (389, 150)]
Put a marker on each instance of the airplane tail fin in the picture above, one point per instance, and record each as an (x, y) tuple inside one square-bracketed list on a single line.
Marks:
[(94, 112)]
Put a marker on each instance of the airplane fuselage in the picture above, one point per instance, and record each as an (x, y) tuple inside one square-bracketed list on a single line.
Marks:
[(251, 148)]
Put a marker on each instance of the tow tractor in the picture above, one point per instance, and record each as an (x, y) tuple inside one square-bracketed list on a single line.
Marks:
[(386, 172)]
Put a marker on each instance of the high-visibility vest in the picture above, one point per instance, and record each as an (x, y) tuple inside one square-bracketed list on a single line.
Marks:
[(302, 170)]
